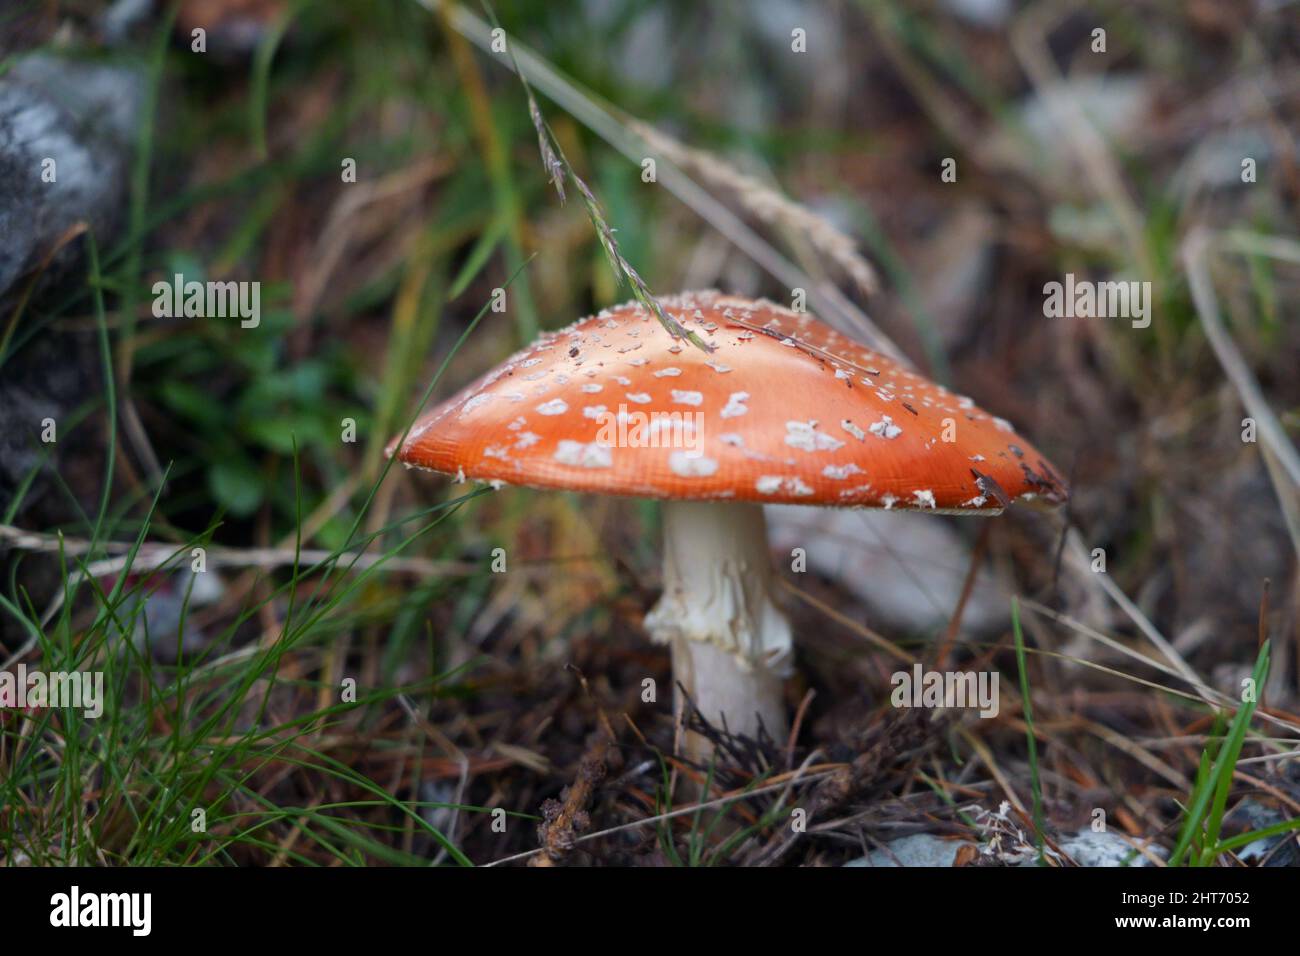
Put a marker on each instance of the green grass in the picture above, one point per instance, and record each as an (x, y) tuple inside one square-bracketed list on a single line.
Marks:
[(140, 785), (1031, 741), (1200, 841)]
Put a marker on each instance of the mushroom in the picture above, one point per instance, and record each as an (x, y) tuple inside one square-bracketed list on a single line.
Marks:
[(783, 410)]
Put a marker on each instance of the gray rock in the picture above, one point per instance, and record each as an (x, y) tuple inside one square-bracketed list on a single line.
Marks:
[(1253, 815), (919, 849), (982, 13), (1091, 849), (1116, 105), (168, 599), (908, 568), (1216, 161), (1086, 848), (83, 117), (122, 17)]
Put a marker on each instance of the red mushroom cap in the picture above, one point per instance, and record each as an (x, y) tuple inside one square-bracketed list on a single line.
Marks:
[(785, 409)]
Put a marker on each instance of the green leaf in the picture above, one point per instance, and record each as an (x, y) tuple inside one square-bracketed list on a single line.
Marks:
[(278, 433), (191, 402), (236, 486)]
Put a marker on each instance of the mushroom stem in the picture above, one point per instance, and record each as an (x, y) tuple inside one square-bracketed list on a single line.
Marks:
[(731, 644)]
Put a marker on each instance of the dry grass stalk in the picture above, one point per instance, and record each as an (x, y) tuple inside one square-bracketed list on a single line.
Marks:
[(557, 165), (1196, 247), (832, 304), (766, 203)]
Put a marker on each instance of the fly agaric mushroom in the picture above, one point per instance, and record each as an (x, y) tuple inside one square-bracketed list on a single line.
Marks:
[(783, 410)]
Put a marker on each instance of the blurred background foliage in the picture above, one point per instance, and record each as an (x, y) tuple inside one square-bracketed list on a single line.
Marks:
[(1067, 160)]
